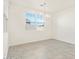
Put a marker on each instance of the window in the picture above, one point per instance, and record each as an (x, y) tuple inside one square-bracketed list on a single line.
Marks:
[(34, 19)]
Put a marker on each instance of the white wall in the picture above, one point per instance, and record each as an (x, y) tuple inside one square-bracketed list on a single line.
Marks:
[(18, 34), (65, 25)]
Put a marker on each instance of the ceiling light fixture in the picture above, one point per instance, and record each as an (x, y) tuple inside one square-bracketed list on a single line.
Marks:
[(44, 4)]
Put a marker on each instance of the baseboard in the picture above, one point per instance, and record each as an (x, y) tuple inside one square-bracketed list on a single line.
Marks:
[(20, 43)]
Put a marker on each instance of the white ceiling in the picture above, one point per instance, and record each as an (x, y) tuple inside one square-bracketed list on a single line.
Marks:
[(53, 5)]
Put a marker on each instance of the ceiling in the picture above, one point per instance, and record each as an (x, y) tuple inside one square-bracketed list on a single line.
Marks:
[(53, 5)]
